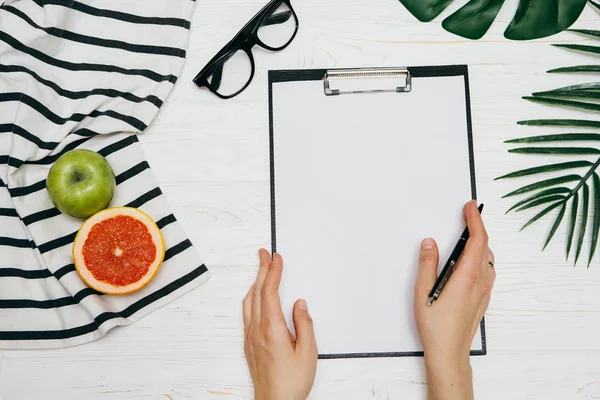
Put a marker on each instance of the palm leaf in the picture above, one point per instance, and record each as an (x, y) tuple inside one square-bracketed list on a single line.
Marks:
[(546, 168), (556, 150), (541, 214), (544, 184), (550, 193), (564, 103), (588, 32), (595, 217), (540, 201), (561, 122), (577, 68), (556, 224), (555, 196), (580, 47), (533, 19), (538, 195), (582, 86), (586, 176), (575, 94), (561, 137), (573, 222), (583, 223)]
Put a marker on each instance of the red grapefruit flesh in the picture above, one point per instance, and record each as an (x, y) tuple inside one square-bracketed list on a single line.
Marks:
[(118, 250)]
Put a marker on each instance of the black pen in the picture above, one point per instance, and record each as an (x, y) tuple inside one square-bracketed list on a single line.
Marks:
[(450, 265)]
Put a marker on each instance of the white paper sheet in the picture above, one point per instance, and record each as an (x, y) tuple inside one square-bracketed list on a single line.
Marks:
[(360, 180)]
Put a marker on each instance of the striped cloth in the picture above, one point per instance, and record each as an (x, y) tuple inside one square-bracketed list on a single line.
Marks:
[(90, 75)]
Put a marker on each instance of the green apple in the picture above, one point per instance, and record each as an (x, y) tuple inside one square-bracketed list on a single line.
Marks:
[(81, 183)]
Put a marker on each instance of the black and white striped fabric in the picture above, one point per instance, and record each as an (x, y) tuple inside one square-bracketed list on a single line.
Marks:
[(81, 74)]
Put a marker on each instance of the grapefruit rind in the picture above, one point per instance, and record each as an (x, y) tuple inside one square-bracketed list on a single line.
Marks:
[(82, 235)]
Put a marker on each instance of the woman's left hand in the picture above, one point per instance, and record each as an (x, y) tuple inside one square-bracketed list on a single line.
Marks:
[(282, 368)]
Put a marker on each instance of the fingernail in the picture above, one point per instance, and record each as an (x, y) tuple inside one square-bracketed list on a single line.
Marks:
[(302, 305), (427, 244)]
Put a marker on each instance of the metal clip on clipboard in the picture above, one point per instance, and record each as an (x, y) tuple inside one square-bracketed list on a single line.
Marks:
[(367, 80)]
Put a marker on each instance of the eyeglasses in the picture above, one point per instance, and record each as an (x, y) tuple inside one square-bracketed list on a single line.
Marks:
[(231, 70)]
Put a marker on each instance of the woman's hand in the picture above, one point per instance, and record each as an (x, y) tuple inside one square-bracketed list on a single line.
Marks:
[(447, 327), (282, 368)]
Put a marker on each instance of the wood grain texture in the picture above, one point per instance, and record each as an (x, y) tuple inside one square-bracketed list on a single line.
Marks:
[(1, 375), (211, 158)]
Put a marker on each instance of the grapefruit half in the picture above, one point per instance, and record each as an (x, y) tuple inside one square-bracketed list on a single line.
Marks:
[(118, 250)]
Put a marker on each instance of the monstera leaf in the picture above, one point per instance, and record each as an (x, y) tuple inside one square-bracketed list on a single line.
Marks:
[(534, 18), (572, 186)]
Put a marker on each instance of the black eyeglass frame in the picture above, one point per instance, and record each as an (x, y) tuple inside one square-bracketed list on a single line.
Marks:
[(244, 40)]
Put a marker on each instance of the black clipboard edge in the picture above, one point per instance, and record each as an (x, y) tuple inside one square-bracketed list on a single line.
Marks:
[(277, 76), (386, 355), (483, 350)]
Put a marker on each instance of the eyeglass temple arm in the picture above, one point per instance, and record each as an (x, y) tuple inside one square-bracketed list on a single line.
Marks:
[(273, 19), (217, 74)]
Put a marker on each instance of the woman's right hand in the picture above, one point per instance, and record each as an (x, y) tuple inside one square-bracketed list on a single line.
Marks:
[(447, 327)]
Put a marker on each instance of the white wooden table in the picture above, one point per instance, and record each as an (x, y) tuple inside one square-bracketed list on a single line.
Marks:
[(211, 158)]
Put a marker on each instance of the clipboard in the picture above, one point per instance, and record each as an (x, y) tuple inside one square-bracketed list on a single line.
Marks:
[(365, 163)]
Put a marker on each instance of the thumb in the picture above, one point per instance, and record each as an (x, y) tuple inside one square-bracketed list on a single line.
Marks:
[(428, 263), (305, 334)]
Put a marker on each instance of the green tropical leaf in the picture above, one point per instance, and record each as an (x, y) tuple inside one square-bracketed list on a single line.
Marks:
[(564, 103), (534, 18), (573, 222), (556, 150), (575, 94), (544, 184), (538, 195), (581, 86), (560, 137), (540, 201), (561, 122), (586, 176), (546, 168), (578, 68), (595, 4), (583, 223), (595, 217), (540, 18), (426, 10), (549, 192), (541, 214), (580, 47), (474, 19), (588, 32), (556, 224)]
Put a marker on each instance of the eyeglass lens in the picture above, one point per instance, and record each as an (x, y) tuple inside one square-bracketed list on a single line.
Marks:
[(231, 73), (278, 27)]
